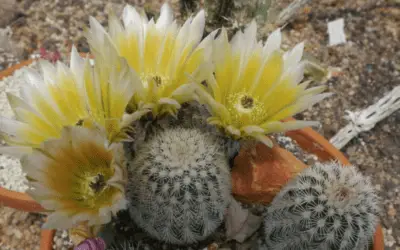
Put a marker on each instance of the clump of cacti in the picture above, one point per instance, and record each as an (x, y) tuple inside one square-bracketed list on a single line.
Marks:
[(327, 206), (179, 184)]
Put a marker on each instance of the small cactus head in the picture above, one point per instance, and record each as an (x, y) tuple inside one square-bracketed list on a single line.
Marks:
[(327, 206), (191, 115), (179, 185)]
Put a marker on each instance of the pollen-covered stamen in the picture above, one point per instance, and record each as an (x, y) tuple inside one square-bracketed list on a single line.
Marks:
[(157, 80), (154, 79), (79, 123), (247, 102), (98, 183)]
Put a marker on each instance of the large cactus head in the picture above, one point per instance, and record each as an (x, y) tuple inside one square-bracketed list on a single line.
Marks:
[(179, 181), (325, 207)]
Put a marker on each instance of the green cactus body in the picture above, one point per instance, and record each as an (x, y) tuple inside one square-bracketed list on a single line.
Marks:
[(179, 184), (325, 207)]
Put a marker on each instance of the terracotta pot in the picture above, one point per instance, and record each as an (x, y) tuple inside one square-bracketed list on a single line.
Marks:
[(249, 176), (46, 239)]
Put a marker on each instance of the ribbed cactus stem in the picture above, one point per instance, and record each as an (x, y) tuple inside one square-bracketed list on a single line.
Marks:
[(179, 185), (325, 207)]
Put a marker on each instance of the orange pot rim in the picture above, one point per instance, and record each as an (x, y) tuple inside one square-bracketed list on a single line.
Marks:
[(46, 239)]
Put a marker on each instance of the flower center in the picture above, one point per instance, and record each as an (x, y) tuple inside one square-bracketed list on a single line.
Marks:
[(247, 102), (245, 109), (98, 183)]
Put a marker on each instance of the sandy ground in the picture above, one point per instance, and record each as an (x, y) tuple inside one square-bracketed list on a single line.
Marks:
[(369, 64)]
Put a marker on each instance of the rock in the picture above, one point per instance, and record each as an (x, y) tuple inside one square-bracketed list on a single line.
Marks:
[(7, 12), (59, 242), (391, 211), (17, 234), (259, 175)]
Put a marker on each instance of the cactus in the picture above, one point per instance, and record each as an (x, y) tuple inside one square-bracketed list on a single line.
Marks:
[(325, 207), (179, 184), (125, 245), (129, 244), (127, 235)]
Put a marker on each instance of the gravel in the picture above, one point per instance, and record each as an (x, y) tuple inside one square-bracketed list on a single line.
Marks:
[(61, 240)]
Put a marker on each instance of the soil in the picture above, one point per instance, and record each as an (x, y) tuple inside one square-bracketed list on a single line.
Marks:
[(369, 64)]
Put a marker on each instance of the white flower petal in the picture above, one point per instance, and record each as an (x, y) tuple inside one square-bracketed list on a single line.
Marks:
[(170, 102), (11, 127), (253, 129), (32, 77), (34, 165), (197, 28), (314, 90), (294, 125), (77, 64), (293, 57), (298, 73), (120, 204), (130, 16), (96, 30), (15, 102), (273, 43), (58, 220), (250, 35), (48, 71), (115, 27), (233, 130), (265, 140), (128, 119), (166, 17), (15, 151)]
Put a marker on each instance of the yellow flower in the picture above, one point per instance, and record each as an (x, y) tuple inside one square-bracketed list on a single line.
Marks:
[(80, 95), (255, 86), (77, 178), (164, 56)]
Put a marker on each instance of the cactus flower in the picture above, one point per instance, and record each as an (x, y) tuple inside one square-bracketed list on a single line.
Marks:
[(79, 95), (165, 56), (77, 178), (255, 86)]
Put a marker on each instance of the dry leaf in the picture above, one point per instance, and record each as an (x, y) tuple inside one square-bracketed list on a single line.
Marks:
[(240, 224)]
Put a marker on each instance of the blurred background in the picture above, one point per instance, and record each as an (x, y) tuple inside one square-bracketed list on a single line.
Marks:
[(359, 70)]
